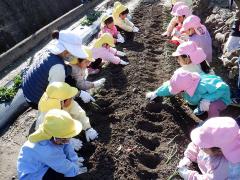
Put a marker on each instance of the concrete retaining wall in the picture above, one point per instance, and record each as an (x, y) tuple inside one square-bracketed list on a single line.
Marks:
[(29, 43)]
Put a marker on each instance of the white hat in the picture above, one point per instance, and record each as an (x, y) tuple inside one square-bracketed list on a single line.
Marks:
[(70, 41)]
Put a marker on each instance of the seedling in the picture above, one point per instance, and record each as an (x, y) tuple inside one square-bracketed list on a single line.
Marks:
[(90, 18)]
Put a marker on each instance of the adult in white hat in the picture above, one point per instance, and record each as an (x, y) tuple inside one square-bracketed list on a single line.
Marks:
[(50, 67)]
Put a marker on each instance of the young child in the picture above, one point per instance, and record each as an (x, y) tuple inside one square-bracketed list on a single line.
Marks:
[(102, 50), (208, 92), (123, 24), (59, 95), (80, 72), (191, 58), (199, 34), (109, 27), (116, 4), (180, 11), (215, 148), (47, 154)]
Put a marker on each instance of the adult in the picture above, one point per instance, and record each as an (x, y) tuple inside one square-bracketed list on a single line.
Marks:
[(50, 67)]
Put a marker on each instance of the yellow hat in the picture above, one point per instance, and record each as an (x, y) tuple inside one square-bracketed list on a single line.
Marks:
[(57, 123), (119, 9), (116, 4), (88, 51), (105, 38), (54, 94), (105, 17)]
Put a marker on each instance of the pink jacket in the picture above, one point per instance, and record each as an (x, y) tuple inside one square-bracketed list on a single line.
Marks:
[(114, 32), (106, 54), (212, 167)]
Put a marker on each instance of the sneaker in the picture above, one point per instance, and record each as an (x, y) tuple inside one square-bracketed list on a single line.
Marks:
[(198, 112), (93, 71)]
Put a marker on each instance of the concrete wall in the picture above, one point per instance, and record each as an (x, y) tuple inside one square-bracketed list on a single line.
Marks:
[(30, 42), (20, 18)]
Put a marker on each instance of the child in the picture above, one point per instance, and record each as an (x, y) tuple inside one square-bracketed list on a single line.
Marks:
[(59, 95), (215, 148), (199, 34), (208, 92), (109, 27), (180, 11), (116, 4), (122, 22), (191, 58), (102, 49), (80, 72), (47, 154)]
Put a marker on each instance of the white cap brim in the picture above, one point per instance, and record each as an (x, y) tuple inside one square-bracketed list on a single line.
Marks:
[(55, 47), (75, 50)]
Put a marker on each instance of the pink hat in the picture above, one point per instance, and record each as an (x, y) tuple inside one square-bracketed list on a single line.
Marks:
[(182, 10), (193, 22), (184, 81), (176, 5), (190, 48), (221, 132)]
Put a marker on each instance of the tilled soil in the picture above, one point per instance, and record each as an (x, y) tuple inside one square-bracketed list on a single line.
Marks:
[(138, 139)]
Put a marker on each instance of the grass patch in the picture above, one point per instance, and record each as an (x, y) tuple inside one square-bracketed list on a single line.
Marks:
[(8, 93)]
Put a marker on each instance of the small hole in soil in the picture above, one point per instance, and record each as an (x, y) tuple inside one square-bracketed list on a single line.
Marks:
[(143, 174), (150, 144), (155, 107), (87, 150), (103, 103), (149, 160), (149, 127)]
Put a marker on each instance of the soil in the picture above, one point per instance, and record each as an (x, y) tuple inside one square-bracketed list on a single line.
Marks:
[(138, 139)]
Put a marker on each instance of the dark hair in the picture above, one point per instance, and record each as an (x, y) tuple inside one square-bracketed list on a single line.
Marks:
[(215, 149), (205, 67), (80, 60), (125, 12), (55, 34), (108, 20)]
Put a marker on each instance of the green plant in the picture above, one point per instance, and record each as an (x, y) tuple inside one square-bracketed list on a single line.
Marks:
[(90, 18), (8, 93)]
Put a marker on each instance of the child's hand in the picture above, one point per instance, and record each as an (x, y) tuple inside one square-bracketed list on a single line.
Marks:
[(99, 83), (151, 95), (184, 162), (184, 172), (91, 134), (76, 143), (86, 97), (204, 105), (135, 29), (120, 53), (166, 34), (82, 170), (120, 38)]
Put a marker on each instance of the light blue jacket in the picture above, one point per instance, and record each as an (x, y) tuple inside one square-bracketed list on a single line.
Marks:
[(35, 159), (210, 87)]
